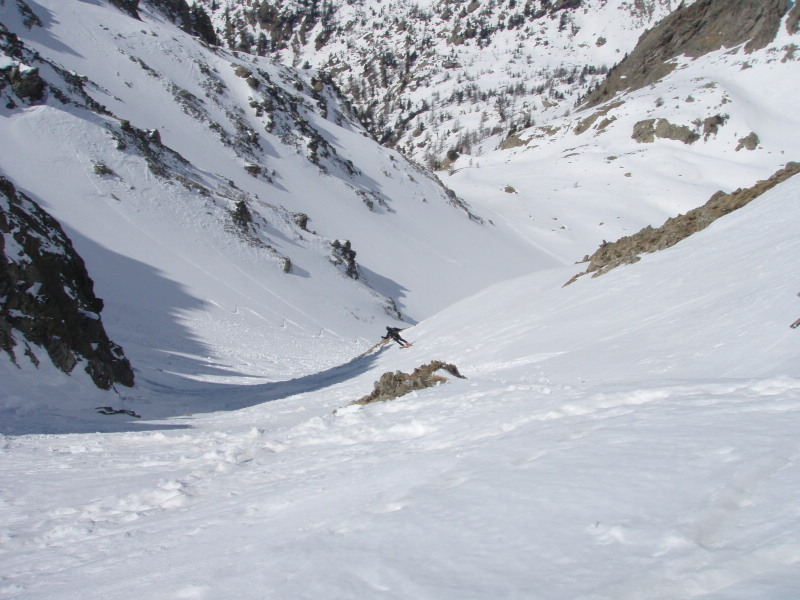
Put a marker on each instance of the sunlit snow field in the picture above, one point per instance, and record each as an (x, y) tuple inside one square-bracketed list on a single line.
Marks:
[(625, 437)]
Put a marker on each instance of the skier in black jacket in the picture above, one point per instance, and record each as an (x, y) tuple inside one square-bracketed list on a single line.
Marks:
[(394, 333)]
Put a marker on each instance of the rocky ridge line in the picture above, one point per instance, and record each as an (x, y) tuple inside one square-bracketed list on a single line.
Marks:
[(627, 250), (695, 30)]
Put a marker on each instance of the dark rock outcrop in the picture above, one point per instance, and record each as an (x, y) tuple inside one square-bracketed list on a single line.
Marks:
[(47, 297), (395, 384), (749, 142), (129, 6), (27, 83), (343, 256), (793, 22), (694, 30), (647, 131), (29, 78), (711, 125), (627, 249)]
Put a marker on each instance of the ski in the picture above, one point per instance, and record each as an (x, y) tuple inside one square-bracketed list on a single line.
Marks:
[(795, 325)]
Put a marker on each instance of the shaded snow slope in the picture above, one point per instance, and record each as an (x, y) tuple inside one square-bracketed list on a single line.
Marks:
[(626, 435)]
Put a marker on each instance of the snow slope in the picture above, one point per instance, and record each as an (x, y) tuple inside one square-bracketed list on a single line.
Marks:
[(173, 275), (175, 281), (581, 178), (628, 436)]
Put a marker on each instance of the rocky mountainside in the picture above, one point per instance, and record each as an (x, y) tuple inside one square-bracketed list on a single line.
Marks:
[(693, 31), (47, 298), (704, 102), (440, 79), (741, 34)]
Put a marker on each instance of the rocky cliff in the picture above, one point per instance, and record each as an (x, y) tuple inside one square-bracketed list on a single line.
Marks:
[(47, 299), (694, 30)]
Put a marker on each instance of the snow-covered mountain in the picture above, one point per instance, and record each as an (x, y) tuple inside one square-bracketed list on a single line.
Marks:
[(693, 81), (626, 436), (653, 149), (243, 195), (210, 192), (438, 79)]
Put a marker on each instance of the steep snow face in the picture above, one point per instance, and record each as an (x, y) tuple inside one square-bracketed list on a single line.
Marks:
[(150, 158), (680, 314)]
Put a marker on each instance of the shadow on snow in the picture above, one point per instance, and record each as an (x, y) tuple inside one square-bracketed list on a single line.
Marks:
[(170, 399)]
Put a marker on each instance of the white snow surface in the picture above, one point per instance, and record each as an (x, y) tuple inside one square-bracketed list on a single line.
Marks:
[(629, 436)]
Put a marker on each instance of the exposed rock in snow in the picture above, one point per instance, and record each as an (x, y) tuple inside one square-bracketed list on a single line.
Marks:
[(396, 384), (628, 249), (47, 297), (693, 30)]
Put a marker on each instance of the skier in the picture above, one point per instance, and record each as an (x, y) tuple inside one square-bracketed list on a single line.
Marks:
[(394, 333)]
